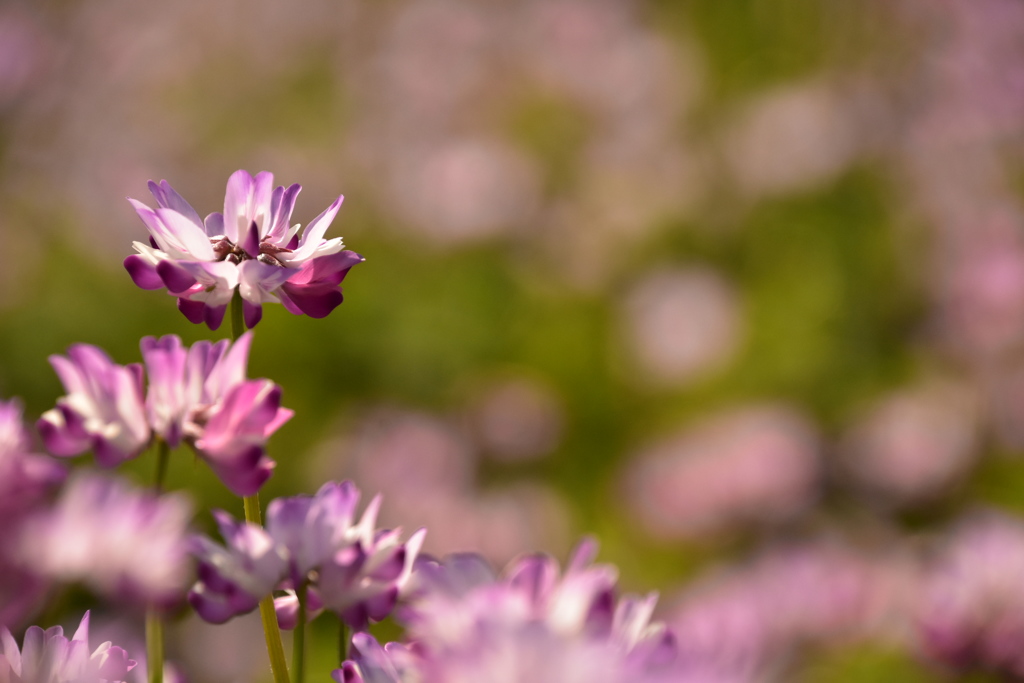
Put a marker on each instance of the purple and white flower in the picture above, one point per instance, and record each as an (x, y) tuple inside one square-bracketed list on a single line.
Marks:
[(251, 246), (535, 624), (348, 567), (49, 657), (120, 541), (198, 395), (103, 410)]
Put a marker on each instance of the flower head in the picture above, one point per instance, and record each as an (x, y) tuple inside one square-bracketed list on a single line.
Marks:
[(119, 540), (349, 567), (49, 657), (198, 395), (251, 246)]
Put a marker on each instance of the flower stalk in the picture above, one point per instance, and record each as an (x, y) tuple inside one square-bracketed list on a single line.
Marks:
[(299, 638), (268, 615), (154, 619)]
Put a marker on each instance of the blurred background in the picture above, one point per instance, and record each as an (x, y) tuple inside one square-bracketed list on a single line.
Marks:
[(736, 286)]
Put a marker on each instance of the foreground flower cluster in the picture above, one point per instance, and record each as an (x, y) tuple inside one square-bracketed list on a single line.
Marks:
[(532, 624), (311, 543)]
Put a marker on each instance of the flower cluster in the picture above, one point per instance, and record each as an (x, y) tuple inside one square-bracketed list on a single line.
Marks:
[(251, 246), (123, 542), (49, 657), (198, 395), (312, 543), (534, 624)]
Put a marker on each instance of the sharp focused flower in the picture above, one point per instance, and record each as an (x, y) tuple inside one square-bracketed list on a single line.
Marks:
[(49, 657), (121, 541), (196, 395), (251, 246), (349, 567)]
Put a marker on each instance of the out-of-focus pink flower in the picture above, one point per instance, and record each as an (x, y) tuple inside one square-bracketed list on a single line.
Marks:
[(519, 419), (752, 465), (103, 410), (914, 444), (681, 324), (122, 542), (350, 567), (24, 476), (198, 395), (49, 656), (746, 621), (791, 139), (425, 468), (972, 611), (251, 246), (534, 624)]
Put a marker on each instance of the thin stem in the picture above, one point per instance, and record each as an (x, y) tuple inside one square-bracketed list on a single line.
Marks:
[(237, 319), (343, 641), (154, 619), (299, 639), (155, 645), (268, 615)]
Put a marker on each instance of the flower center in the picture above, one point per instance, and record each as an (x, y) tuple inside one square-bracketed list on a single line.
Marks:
[(226, 250)]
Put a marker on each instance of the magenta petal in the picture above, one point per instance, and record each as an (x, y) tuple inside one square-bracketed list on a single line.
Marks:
[(143, 274), (176, 278), (287, 609), (251, 243), (194, 311), (252, 313), (316, 301), (330, 269), (246, 472), (58, 439), (214, 316)]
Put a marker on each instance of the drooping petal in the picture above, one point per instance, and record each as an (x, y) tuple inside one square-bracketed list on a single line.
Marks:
[(142, 272)]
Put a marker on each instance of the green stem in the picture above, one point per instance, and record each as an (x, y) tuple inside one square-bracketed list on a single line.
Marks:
[(268, 615), (155, 645), (154, 619), (237, 319), (343, 641), (299, 640)]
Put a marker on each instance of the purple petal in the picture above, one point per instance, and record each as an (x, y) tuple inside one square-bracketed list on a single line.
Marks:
[(330, 269), (56, 436), (176, 278), (214, 316), (252, 313), (251, 243), (143, 273), (316, 301), (214, 224), (167, 197), (194, 311)]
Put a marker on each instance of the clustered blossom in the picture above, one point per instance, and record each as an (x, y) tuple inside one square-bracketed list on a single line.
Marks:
[(348, 567), (196, 395), (972, 612), (49, 657), (465, 624), (251, 246), (121, 541), (24, 476)]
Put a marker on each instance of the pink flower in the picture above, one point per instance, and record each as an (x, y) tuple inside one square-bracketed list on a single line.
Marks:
[(196, 395), (250, 246)]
